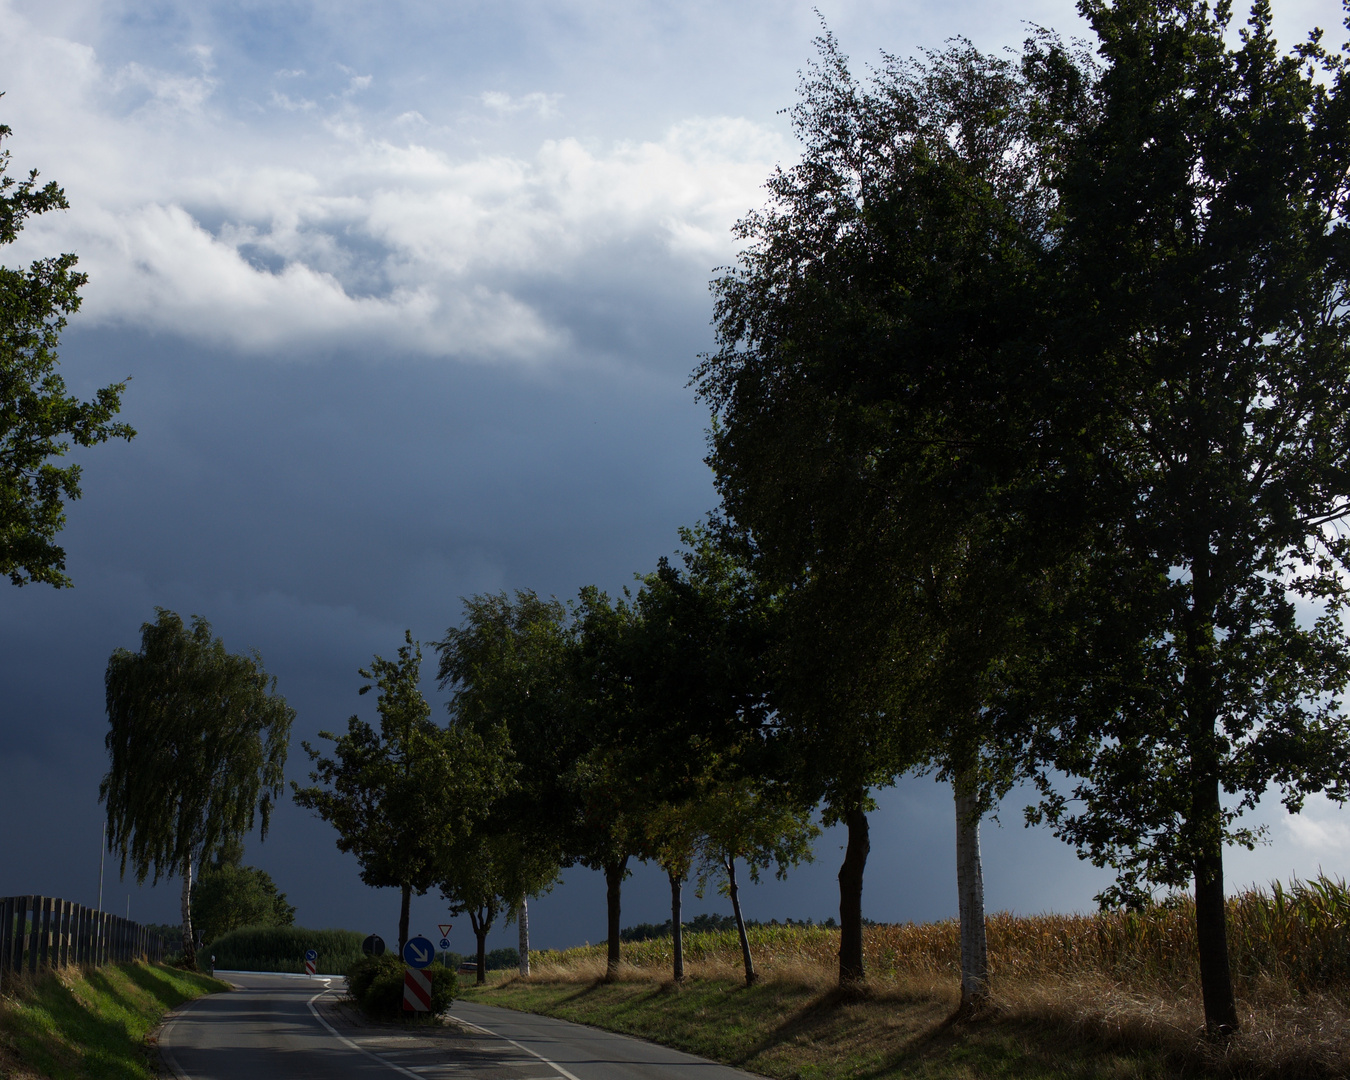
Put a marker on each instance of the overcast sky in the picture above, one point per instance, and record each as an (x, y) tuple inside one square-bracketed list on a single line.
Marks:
[(408, 294)]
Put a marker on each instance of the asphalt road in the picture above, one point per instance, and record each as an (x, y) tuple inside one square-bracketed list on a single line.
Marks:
[(279, 1027)]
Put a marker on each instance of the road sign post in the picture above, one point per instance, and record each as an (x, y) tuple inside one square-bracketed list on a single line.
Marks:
[(311, 961)]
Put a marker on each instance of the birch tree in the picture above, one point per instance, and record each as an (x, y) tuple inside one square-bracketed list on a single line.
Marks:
[(197, 745), (878, 429)]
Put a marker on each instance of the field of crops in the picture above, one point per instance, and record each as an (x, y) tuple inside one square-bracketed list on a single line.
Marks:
[(1297, 935)]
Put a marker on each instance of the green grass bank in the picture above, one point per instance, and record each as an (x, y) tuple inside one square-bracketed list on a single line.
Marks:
[(82, 1025)]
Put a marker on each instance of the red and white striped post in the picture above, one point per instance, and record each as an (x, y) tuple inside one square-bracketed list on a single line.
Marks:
[(416, 991)]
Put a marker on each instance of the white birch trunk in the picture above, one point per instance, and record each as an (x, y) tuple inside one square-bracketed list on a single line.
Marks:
[(970, 893), (189, 938), (523, 922)]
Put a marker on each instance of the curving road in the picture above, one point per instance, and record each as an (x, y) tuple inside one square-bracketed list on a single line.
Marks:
[(281, 1027)]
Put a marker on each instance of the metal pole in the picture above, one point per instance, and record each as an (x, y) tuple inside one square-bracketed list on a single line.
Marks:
[(102, 847)]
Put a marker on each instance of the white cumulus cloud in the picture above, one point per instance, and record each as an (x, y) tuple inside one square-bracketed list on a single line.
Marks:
[(326, 222)]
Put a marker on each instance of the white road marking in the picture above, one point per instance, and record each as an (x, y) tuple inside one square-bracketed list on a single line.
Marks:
[(485, 1031), (355, 1046)]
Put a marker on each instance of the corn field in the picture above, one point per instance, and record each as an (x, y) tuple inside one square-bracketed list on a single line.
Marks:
[(1298, 935)]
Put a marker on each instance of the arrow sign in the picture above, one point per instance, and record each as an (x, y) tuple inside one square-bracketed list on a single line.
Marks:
[(445, 943), (445, 928), (419, 952), (310, 954)]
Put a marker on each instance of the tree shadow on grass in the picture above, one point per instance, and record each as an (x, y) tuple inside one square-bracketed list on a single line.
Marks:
[(927, 1037), (158, 983), (60, 1036)]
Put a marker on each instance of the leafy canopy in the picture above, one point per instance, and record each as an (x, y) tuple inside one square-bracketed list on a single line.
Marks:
[(197, 743), (38, 419)]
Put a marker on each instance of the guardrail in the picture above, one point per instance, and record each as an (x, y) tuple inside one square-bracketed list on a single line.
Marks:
[(48, 932)]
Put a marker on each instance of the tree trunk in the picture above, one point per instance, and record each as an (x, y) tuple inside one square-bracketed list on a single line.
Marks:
[(1211, 914), (523, 924), (480, 933), (189, 937), (613, 883), (403, 918), (970, 893), (676, 927), (1206, 814), (851, 969), (735, 894)]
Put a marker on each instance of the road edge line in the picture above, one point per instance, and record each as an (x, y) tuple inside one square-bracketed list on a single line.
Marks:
[(357, 1046), (478, 1027)]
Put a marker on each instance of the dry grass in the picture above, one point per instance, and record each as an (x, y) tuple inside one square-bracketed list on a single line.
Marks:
[(1283, 941), (1125, 982)]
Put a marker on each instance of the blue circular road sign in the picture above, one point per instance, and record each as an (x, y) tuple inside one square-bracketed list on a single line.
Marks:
[(310, 954), (445, 943), (419, 952)]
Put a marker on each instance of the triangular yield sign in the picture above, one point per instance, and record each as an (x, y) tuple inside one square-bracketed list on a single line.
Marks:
[(445, 928)]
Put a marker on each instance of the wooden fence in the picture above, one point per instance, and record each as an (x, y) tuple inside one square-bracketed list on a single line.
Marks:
[(47, 932)]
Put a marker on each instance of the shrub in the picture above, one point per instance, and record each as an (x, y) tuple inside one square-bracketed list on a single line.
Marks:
[(282, 948), (376, 984)]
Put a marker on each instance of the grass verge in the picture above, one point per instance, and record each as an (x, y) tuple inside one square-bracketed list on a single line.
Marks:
[(800, 1028), (76, 1024)]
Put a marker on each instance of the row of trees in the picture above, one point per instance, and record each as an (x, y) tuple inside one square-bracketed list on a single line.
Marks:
[(1031, 400), (593, 734)]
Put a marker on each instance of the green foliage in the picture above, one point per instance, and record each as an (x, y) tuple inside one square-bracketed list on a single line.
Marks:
[(1219, 343), (505, 665), (38, 419), (227, 896), (400, 797), (503, 959), (376, 984), (282, 948), (197, 743)]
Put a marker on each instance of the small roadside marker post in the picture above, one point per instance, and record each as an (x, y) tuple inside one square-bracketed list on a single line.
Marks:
[(311, 958), (416, 991), (417, 954)]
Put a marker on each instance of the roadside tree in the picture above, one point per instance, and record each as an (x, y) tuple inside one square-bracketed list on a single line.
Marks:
[(505, 667), (197, 745), (1204, 261), (402, 796), (38, 419), (878, 434)]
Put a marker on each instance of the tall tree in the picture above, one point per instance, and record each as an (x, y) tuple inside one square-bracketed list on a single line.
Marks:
[(38, 419), (504, 665), (197, 743), (400, 797), (756, 823), (486, 873), (1205, 253), (606, 783), (702, 704), (878, 412)]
